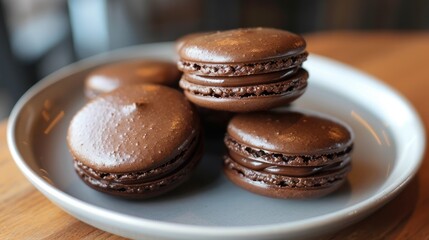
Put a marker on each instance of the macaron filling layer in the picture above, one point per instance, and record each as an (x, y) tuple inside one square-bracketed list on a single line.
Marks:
[(292, 171), (317, 181), (135, 177), (145, 186), (239, 81), (278, 88), (285, 159), (241, 69)]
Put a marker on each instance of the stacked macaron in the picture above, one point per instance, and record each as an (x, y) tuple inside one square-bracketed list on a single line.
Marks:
[(276, 153), (243, 70)]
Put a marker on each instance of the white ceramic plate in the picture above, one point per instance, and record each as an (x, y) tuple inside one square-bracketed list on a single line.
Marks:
[(388, 151)]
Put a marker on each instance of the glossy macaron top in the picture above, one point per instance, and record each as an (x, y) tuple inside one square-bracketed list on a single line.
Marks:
[(182, 40), (136, 71), (290, 132), (242, 46), (133, 128)]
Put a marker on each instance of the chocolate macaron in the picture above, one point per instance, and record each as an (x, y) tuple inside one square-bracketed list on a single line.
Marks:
[(138, 141), (243, 70), (136, 71), (288, 154)]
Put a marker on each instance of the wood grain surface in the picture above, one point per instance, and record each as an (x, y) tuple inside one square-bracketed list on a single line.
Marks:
[(400, 59)]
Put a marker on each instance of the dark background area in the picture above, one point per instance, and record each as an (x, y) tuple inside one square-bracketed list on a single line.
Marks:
[(39, 36)]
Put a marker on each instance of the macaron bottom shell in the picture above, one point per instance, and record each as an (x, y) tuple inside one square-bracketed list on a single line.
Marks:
[(245, 104), (233, 97)]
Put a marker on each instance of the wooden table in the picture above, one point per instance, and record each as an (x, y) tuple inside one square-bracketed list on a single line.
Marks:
[(401, 60)]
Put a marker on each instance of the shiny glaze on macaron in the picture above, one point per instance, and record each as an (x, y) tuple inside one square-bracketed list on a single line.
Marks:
[(182, 40)]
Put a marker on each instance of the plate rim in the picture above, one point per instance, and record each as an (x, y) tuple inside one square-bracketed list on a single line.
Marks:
[(155, 227)]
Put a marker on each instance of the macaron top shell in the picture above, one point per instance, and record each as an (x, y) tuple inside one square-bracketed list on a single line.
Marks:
[(111, 76), (290, 132), (242, 46), (134, 128)]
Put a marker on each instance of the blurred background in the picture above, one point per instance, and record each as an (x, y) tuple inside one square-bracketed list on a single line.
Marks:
[(39, 36)]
